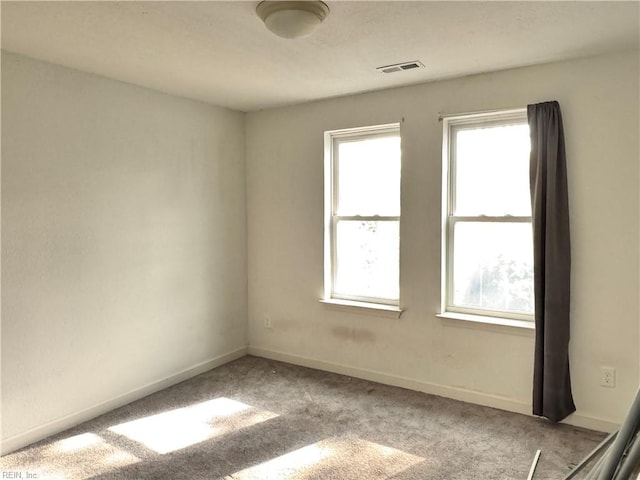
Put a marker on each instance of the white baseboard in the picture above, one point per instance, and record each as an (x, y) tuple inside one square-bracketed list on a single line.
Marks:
[(455, 393), (40, 432)]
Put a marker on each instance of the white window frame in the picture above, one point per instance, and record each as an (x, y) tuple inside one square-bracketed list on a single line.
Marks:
[(451, 124), (331, 140)]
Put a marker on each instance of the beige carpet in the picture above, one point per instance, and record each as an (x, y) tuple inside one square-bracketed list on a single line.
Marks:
[(256, 419)]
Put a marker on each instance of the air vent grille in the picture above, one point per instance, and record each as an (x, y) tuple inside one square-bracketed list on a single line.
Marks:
[(400, 67)]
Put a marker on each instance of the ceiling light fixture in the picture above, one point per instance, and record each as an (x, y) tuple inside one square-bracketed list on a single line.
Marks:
[(292, 19)]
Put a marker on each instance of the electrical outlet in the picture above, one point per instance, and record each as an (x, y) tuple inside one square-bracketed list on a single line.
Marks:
[(607, 376), (267, 321)]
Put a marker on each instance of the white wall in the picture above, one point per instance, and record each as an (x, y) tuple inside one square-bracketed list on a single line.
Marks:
[(124, 244), (490, 365)]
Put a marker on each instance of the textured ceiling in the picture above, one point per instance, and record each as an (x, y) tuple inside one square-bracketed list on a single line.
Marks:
[(220, 52)]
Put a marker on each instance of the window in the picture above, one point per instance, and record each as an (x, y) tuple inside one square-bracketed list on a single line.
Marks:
[(362, 205), (487, 236)]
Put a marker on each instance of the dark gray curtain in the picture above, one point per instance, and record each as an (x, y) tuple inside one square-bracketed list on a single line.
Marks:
[(552, 262)]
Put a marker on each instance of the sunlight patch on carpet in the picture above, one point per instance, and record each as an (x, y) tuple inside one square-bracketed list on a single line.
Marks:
[(79, 442), (334, 458), (80, 456), (180, 428)]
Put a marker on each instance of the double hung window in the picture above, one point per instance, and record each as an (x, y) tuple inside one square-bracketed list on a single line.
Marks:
[(362, 230), (487, 237)]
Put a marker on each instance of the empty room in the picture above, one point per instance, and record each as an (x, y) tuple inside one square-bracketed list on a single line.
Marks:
[(303, 240)]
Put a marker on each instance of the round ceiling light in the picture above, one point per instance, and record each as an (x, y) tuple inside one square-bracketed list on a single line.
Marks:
[(292, 19)]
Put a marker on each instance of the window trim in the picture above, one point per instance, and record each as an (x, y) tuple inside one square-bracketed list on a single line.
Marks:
[(331, 139), (452, 124)]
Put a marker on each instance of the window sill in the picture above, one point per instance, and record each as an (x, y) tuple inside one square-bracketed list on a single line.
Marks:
[(376, 309), (523, 325)]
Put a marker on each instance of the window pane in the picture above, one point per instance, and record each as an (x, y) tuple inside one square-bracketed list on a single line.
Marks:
[(369, 176), (367, 255), (492, 171), (493, 266)]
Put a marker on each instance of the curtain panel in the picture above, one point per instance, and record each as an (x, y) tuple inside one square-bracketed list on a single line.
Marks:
[(552, 396)]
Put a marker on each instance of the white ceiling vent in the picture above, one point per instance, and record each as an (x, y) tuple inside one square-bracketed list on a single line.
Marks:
[(400, 67)]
